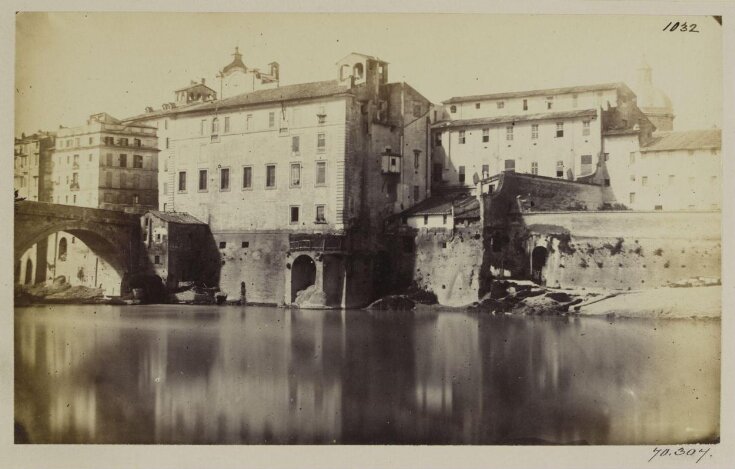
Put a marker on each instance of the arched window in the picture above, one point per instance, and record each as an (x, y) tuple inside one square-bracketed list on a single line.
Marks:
[(62, 249), (358, 70), (453, 109), (215, 126), (343, 71)]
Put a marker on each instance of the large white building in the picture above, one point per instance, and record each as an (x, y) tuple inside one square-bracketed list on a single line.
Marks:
[(559, 132), (311, 166)]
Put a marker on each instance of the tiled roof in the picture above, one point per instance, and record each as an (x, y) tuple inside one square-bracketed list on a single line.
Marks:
[(544, 92), (176, 217), (685, 140), (517, 118), (318, 89)]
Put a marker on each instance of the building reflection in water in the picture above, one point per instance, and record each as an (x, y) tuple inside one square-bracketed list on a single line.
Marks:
[(170, 374)]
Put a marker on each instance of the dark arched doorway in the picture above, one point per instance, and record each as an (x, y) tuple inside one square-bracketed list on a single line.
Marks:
[(303, 275), (29, 272), (538, 261), (62, 249)]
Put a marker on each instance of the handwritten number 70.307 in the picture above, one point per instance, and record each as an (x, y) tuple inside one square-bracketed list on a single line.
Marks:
[(662, 452), (681, 27)]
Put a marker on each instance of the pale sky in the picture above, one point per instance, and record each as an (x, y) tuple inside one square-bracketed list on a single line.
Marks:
[(71, 65)]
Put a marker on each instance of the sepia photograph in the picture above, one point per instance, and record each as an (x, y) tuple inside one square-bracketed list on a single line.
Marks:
[(249, 228)]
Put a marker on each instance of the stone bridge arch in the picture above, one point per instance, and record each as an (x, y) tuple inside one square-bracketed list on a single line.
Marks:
[(112, 236)]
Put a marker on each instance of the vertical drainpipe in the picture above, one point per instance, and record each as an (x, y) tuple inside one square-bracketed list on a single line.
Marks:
[(427, 181)]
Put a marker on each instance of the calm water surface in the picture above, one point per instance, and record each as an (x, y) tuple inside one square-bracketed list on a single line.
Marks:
[(189, 374)]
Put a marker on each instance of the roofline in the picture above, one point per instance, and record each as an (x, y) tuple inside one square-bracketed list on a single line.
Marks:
[(550, 91), (193, 85), (515, 118)]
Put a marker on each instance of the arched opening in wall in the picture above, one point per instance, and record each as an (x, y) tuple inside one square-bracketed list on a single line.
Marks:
[(29, 273), (538, 262), (303, 275), (62, 249)]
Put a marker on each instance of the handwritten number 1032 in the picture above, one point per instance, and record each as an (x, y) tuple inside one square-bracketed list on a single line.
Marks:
[(681, 27)]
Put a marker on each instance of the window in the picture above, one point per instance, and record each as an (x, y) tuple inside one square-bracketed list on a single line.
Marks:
[(136, 142), (137, 161), (136, 199), (124, 142), (509, 132), (168, 143), (658, 207), (182, 181), (320, 214), (91, 141), (227, 124), (585, 127), (416, 159), (534, 131), (123, 182), (461, 175), (165, 124), (549, 102), (477, 105), (123, 160), (136, 181), (416, 193), (245, 244), (426, 219), (501, 104), (222, 244), (294, 214), (560, 129), (108, 179), (271, 120), (321, 142), (90, 159), (534, 167), (249, 122), (485, 170), (76, 161), (453, 109), (525, 105), (321, 173), (203, 180), (202, 126), (444, 222), (295, 145), (438, 139), (247, 177), (560, 169), (295, 175), (461, 137), (644, 181), (215, 126), (485, 135), (632, 157), (224, 179), (586, 164), (270, 175), (510, 165), (631, 197), (157, 260), (76, 142), (108, 197)]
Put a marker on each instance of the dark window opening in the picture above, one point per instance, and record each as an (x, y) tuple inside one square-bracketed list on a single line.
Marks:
[(222, 244)]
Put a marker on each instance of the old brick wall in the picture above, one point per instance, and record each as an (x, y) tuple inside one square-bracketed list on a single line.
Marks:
[(622, 250)]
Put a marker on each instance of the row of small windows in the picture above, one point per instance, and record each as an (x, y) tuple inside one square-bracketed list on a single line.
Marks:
[(122, 160), (213, 126), (712, 151), (295, 179), (509, 132), (110, 141), (548, 103), (510, 165), (671, 180)]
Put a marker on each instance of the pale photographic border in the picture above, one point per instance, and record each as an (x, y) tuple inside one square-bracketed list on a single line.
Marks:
[(185, 456)]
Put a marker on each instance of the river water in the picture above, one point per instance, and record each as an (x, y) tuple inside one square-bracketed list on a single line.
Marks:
[(255, 375)]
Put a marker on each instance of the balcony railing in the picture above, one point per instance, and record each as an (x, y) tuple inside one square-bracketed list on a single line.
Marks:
[(317, 242)]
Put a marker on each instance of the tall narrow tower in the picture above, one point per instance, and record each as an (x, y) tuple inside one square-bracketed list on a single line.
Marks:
[(654, 103)]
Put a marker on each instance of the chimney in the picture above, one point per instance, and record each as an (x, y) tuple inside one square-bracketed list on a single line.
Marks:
[(203, 81)]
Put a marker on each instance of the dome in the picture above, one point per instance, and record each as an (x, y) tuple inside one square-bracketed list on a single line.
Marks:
[(649, 96)]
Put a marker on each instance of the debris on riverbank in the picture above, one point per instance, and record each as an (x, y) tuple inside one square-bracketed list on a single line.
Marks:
[(57, 292), (692, 298)]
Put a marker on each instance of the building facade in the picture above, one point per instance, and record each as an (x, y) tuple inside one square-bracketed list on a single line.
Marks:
[(296, 181), (106, 164), (32, 166), (558, 132)]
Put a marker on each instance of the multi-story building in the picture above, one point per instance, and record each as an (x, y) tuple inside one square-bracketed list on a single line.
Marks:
[(311, 168), (32, 165), (679, 170), (559, 132), (106, 164)]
